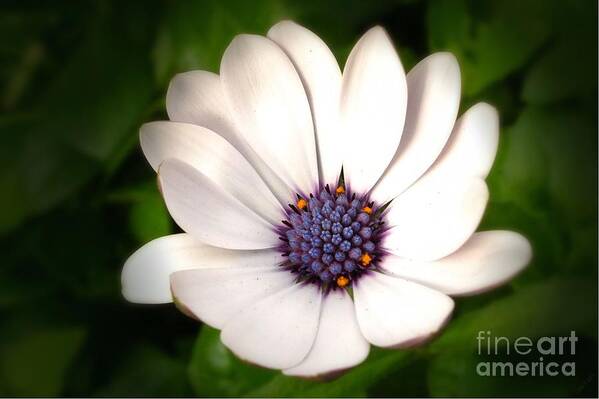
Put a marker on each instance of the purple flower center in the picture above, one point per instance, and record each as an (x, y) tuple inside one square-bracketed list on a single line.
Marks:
[(331, 238)]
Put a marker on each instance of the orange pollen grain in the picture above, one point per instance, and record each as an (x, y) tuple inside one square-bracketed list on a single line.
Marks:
[(365, 259), (340, 190), (302, 203), (342, 281), (367, 209)]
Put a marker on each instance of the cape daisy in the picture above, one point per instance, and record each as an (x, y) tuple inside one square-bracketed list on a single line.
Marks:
[(323, 211)]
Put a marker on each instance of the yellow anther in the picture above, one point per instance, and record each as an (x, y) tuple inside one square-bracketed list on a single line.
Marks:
[(340, 190), (342, 281), (365, 259), (302, 203), (367, 210)]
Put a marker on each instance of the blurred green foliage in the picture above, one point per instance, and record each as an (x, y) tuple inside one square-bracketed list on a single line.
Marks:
[(79, 78)]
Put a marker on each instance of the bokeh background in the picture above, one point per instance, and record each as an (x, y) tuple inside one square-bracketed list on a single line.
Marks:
[(77, 197)]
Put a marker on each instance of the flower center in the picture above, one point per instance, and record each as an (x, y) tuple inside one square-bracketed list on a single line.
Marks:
[(332, 237)]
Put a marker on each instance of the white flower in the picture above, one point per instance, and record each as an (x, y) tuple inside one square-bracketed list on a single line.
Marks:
[(275, 128)]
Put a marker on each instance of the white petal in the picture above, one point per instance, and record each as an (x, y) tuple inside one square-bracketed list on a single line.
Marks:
[(435, 217), (206, 211), (433, 101), (339, 343), (321, 77), (276, 332), (214, 157), (198, 97), (373, 108), (485, 261), (145, 276), (270, 105), (472, 145), (393, 312), (215, 295)]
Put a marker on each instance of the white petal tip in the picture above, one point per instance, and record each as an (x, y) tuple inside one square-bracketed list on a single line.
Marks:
[(377, 30), (447, 57), (430, 335), (144, 131), (130, 295), (261, 333), (487, 112), (521, 255), (284, 24), (486, 261), (487, 107), (324, 376), (396, 313), (184, 309), (444, 67), (377, 35), (244, 38)]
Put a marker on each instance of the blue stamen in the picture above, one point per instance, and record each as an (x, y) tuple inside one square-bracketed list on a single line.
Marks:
[(335, 268), (339, 256), (336, 228), (348, 232), (356, 240), (349, 265), (326, 236), (337, 239)]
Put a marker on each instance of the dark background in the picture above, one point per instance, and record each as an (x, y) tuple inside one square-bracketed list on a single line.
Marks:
[(78, 79)]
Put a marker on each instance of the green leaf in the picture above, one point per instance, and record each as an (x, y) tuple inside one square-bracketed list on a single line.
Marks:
[(490, 40), (448, 24), (35, 363), (17, 291), (73, 252), (542, 184), (571, 147), (550, 152), (149, 219), (104, 100), (23, 55), (583, 256), (184, 44), (148, 371), (568, 68), (453, 374), (549, 307), (82, 118), (520, 172), (148, 215), (34, 170)]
